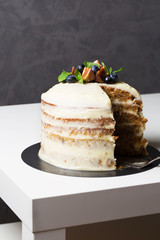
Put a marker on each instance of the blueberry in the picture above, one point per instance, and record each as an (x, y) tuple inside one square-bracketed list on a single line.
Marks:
[(94, 69), (80, 67), (109, 80), (71, 79), (114, 76)]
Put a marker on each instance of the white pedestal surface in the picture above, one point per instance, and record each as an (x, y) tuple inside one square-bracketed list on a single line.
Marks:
[(48, 203)]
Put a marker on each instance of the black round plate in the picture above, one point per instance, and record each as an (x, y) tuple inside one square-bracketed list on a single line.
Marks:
[(30, 157)]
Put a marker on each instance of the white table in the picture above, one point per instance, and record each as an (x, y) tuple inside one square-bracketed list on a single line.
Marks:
[(46, 203), (10, 231)]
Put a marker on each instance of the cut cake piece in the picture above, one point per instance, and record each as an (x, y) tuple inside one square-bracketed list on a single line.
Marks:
[(130, 122)]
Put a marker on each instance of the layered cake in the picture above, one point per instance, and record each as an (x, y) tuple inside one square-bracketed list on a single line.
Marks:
[(77, 127), (90, 118)]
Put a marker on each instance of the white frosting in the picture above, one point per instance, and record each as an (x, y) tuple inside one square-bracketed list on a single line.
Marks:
[(67, 132), (77, 95), (78, 155), (71, 112), (71, 124)]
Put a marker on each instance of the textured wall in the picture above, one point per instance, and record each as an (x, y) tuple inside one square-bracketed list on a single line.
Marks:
[(38, 39)]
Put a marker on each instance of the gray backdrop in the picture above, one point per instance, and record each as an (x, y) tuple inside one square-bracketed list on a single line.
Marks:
[(40, 38)]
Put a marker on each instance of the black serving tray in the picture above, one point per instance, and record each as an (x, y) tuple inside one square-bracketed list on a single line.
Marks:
[(30, 157)]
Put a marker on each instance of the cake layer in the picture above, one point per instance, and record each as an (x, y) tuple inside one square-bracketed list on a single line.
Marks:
[(77, 95), (107, 123), (130, 129), (131, 146), (76, 112), (80, 133), (134, 108), (121, 91), (77, 154), (130, 122), (129, 118)]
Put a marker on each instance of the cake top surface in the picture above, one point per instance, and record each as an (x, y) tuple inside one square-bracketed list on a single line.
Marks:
[(89, 72), (77, 95), (125, 87)]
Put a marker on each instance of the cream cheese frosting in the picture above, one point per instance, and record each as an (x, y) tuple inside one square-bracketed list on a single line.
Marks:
[(77, 156), (77, 95)]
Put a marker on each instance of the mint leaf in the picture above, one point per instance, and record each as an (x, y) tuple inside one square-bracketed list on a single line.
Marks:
[(78, 76), (63, 76), (110, 70), (119, 70), (105, 67), (90, 64)]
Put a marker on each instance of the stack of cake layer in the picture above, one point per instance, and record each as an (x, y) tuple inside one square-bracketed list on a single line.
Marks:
[(78, 127), (130, 122)]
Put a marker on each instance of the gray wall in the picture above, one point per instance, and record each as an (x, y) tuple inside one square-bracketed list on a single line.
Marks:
[(40, 38)]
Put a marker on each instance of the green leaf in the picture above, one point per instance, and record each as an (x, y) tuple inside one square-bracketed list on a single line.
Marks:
[(119, 70), (90, 64), (105, 67), (63, 76), (78, 76), (110, 70)]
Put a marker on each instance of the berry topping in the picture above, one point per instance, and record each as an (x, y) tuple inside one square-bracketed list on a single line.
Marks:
[(89, 72), (114, 76), (109, 80), (71, 79), (94, 69), (80, 67)]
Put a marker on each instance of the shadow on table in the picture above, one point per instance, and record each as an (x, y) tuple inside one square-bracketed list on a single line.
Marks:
[(144, 228), (6, 214)]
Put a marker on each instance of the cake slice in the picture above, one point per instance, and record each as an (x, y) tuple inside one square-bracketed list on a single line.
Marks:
[(77, 127), (130, 122), (127, 108)]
